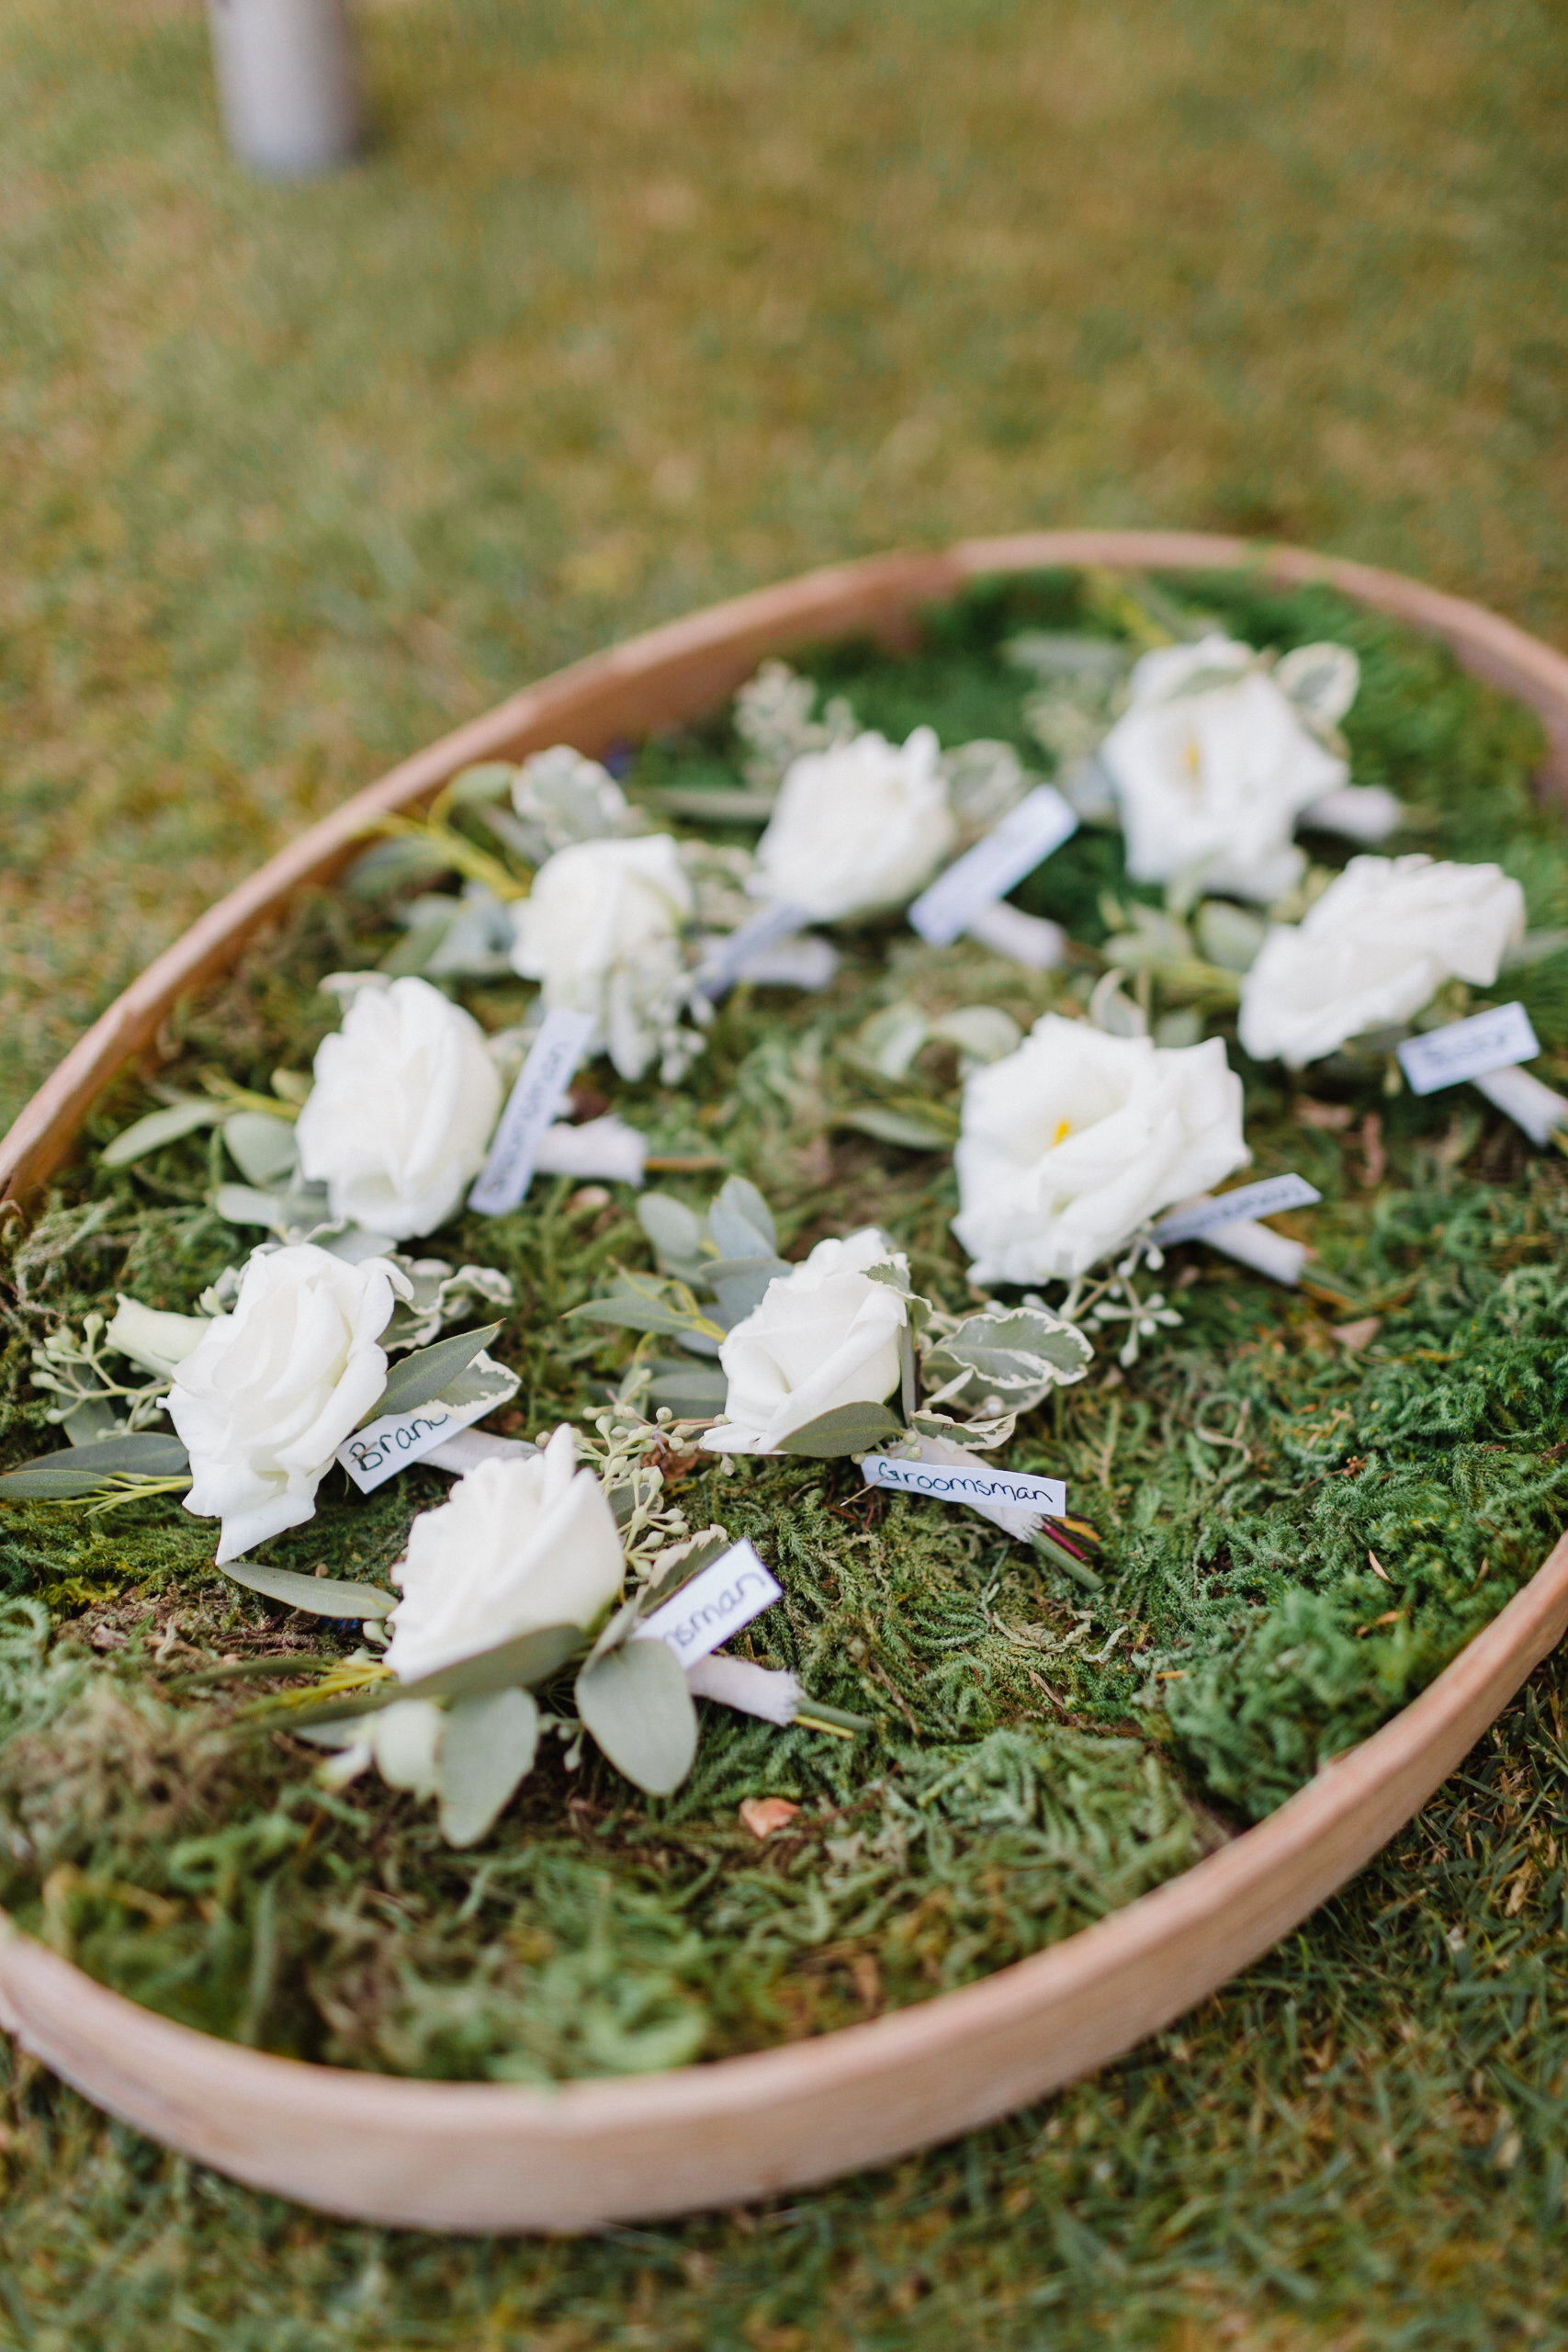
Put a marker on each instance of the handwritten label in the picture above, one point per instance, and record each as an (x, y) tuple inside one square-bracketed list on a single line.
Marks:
[(944, 1481), (538, 1094), (715, 1605), (1001, 857), (726, 962), (1473, 1048), (382, 1448), (1265, 1199)]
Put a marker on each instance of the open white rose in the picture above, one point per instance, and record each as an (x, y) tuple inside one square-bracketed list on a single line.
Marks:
[(1375, 948), (600, 932), (861, 826), (823, 1336), (1071, 1142), (266, 1397), (400, 1118), (519, 1543), (1210, 777)]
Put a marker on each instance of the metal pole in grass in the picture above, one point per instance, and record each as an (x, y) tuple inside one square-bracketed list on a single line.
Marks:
[(286, 84)]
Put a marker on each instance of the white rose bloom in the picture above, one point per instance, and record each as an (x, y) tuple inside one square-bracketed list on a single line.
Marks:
[(267, 1395), (1375, 948), (1214, 780), (400, 1118), (823, 1336), (861, 826), (601, 931), (1071, 1142), (520, 1544)]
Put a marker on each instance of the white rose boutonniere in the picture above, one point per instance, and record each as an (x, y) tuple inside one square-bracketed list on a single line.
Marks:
[(269, 1393), (600, 932), (1070, 1143), (1373, 950), (400, 1117), (826, 1334), (1212, 766), (519, 1544), (858, 827)]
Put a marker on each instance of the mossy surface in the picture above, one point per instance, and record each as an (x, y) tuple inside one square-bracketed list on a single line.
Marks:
[(1299, 1532)]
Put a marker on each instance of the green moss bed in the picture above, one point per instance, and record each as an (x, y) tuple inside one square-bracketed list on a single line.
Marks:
[(1299, 1532)]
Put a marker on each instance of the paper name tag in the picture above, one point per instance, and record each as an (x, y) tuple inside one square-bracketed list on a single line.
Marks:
[(1003, 856), (728, 959), (538, 1094), (382, 1448), (946, 1482), (1470, 1048), (715, 1605), (1267, 1198)]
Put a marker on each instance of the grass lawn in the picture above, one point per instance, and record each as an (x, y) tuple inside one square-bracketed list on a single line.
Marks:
[(629, 308)]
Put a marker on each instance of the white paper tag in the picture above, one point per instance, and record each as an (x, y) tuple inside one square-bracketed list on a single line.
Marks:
[(1473, 1048), (1001, 857), (944, 1482), (715, 1605), (726, 960), (538, 1094), (382, 1448), (1268, 1198)]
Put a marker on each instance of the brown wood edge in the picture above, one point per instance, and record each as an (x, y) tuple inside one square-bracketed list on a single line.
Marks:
[(677, 670), (744, 2126)]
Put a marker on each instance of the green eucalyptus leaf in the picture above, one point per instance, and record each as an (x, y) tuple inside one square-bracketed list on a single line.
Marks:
[(691, 1393), (673, 1229), (429, 920), (633, 1314), (415, 1379), (912, 1131), (982, 1031), (322, 1596), (717, 806), (489, 780), (525, 1660), (739, 1284), (740, 1221), (635, 1703), (848, 1428), (393, 865), (261, 1148), (159, 1127), (242, 1205), (487, 1751), (78, 1470)]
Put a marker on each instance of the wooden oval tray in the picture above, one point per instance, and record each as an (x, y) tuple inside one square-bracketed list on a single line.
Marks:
[(487, 2157)]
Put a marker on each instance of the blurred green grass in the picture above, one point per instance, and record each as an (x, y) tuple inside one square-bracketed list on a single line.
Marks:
[(633, 306), (629, 308)]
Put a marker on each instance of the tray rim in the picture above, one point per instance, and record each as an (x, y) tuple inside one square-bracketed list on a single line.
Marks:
[(483, 2157)]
